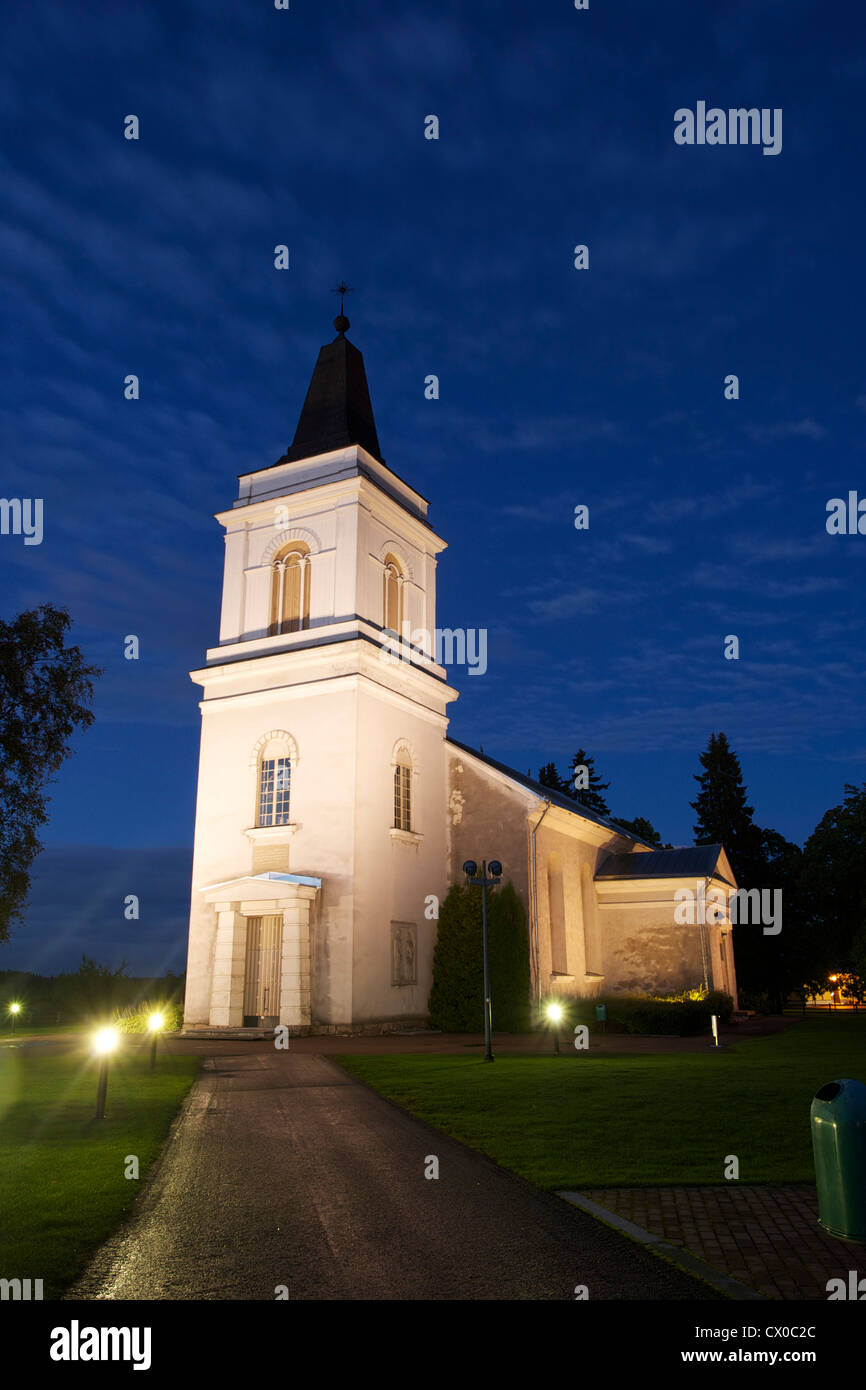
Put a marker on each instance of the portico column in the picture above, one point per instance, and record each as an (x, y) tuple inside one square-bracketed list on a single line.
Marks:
[(295, 1009), (230, 949)]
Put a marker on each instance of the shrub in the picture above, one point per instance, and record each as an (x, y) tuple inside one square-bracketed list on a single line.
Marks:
[(510, 981), (456, 1003), (682, 1015), (757, 1003), (135, 1018)]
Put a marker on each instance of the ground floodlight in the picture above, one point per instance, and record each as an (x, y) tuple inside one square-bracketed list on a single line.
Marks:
[(105, 1041), (470, 868), (554, 1015), (154, 1023)]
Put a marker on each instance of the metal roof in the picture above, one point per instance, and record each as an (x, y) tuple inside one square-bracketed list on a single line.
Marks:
[(566, 803), (692, 861), (337, 409)]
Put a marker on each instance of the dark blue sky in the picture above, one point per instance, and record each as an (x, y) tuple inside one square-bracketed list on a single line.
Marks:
[(558, 387)]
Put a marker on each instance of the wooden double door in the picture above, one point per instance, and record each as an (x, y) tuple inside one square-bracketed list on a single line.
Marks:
[(262, 971)]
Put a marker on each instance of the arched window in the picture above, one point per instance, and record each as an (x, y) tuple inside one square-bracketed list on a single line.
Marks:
[(275, 784), (392, 608), (290, 589), (403, 791)]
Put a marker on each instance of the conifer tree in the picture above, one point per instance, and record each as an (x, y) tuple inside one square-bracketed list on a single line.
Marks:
[(456, 1003), (591, 796), (549, 777), (509, 961), (723, 813)]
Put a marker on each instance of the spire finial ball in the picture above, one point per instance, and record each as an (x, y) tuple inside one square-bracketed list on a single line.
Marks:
[(341, 323)]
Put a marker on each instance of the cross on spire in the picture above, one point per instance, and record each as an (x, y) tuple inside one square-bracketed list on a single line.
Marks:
[(342, 289)]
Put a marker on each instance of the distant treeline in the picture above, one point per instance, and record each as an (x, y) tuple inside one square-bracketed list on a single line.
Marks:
[(92, 992)]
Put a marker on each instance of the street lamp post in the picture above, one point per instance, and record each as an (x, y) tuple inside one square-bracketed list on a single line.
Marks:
[(470, 869), (14, 1010), (104, 1043)]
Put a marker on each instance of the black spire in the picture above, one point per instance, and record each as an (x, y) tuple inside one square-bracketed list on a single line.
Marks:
[(337, 411)]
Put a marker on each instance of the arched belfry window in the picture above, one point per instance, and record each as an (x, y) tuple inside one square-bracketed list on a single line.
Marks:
[(392, 616), (290, 589), (274, 783), (403, 790)]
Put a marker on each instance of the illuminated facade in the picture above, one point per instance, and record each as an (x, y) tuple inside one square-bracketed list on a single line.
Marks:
[(333, 811)]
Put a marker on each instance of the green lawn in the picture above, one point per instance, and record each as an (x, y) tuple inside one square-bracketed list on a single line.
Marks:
[(608, 1121), (62, 1184)]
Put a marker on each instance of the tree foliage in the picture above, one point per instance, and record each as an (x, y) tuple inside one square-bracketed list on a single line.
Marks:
[(724, 816), (549, 777), (834, 880), (644, 829), (45, 690), (591, 796), (456, 1002)]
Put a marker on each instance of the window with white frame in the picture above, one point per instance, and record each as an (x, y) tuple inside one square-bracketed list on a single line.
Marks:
[(275, 780), (403, 793)]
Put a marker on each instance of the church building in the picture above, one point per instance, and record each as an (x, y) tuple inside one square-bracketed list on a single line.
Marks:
[(334, 811)]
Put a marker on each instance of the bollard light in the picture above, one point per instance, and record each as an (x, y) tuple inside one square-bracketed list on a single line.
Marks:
[(104, 1043), (154, 1024), (554, 1015)]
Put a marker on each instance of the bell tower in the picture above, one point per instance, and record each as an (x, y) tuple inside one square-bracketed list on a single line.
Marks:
[(320, 821)]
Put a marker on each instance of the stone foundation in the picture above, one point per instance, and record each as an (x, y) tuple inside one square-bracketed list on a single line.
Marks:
[(310, 1030)]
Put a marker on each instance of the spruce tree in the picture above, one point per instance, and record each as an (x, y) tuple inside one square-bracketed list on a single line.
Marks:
[(724, 815), (590, 796), (549, 777)]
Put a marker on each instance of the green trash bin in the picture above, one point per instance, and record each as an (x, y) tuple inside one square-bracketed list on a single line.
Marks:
[(839, 1142)]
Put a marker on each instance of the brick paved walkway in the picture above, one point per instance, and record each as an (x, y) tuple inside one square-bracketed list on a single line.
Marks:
[(767, 1237)]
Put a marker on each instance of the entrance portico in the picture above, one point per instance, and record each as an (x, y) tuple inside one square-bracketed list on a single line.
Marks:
[(241, 906)]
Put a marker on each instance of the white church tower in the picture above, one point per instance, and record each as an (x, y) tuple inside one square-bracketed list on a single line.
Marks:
[(320, 827)]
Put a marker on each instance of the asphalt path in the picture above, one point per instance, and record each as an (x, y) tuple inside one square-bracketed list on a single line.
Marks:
[(283, 1173)]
